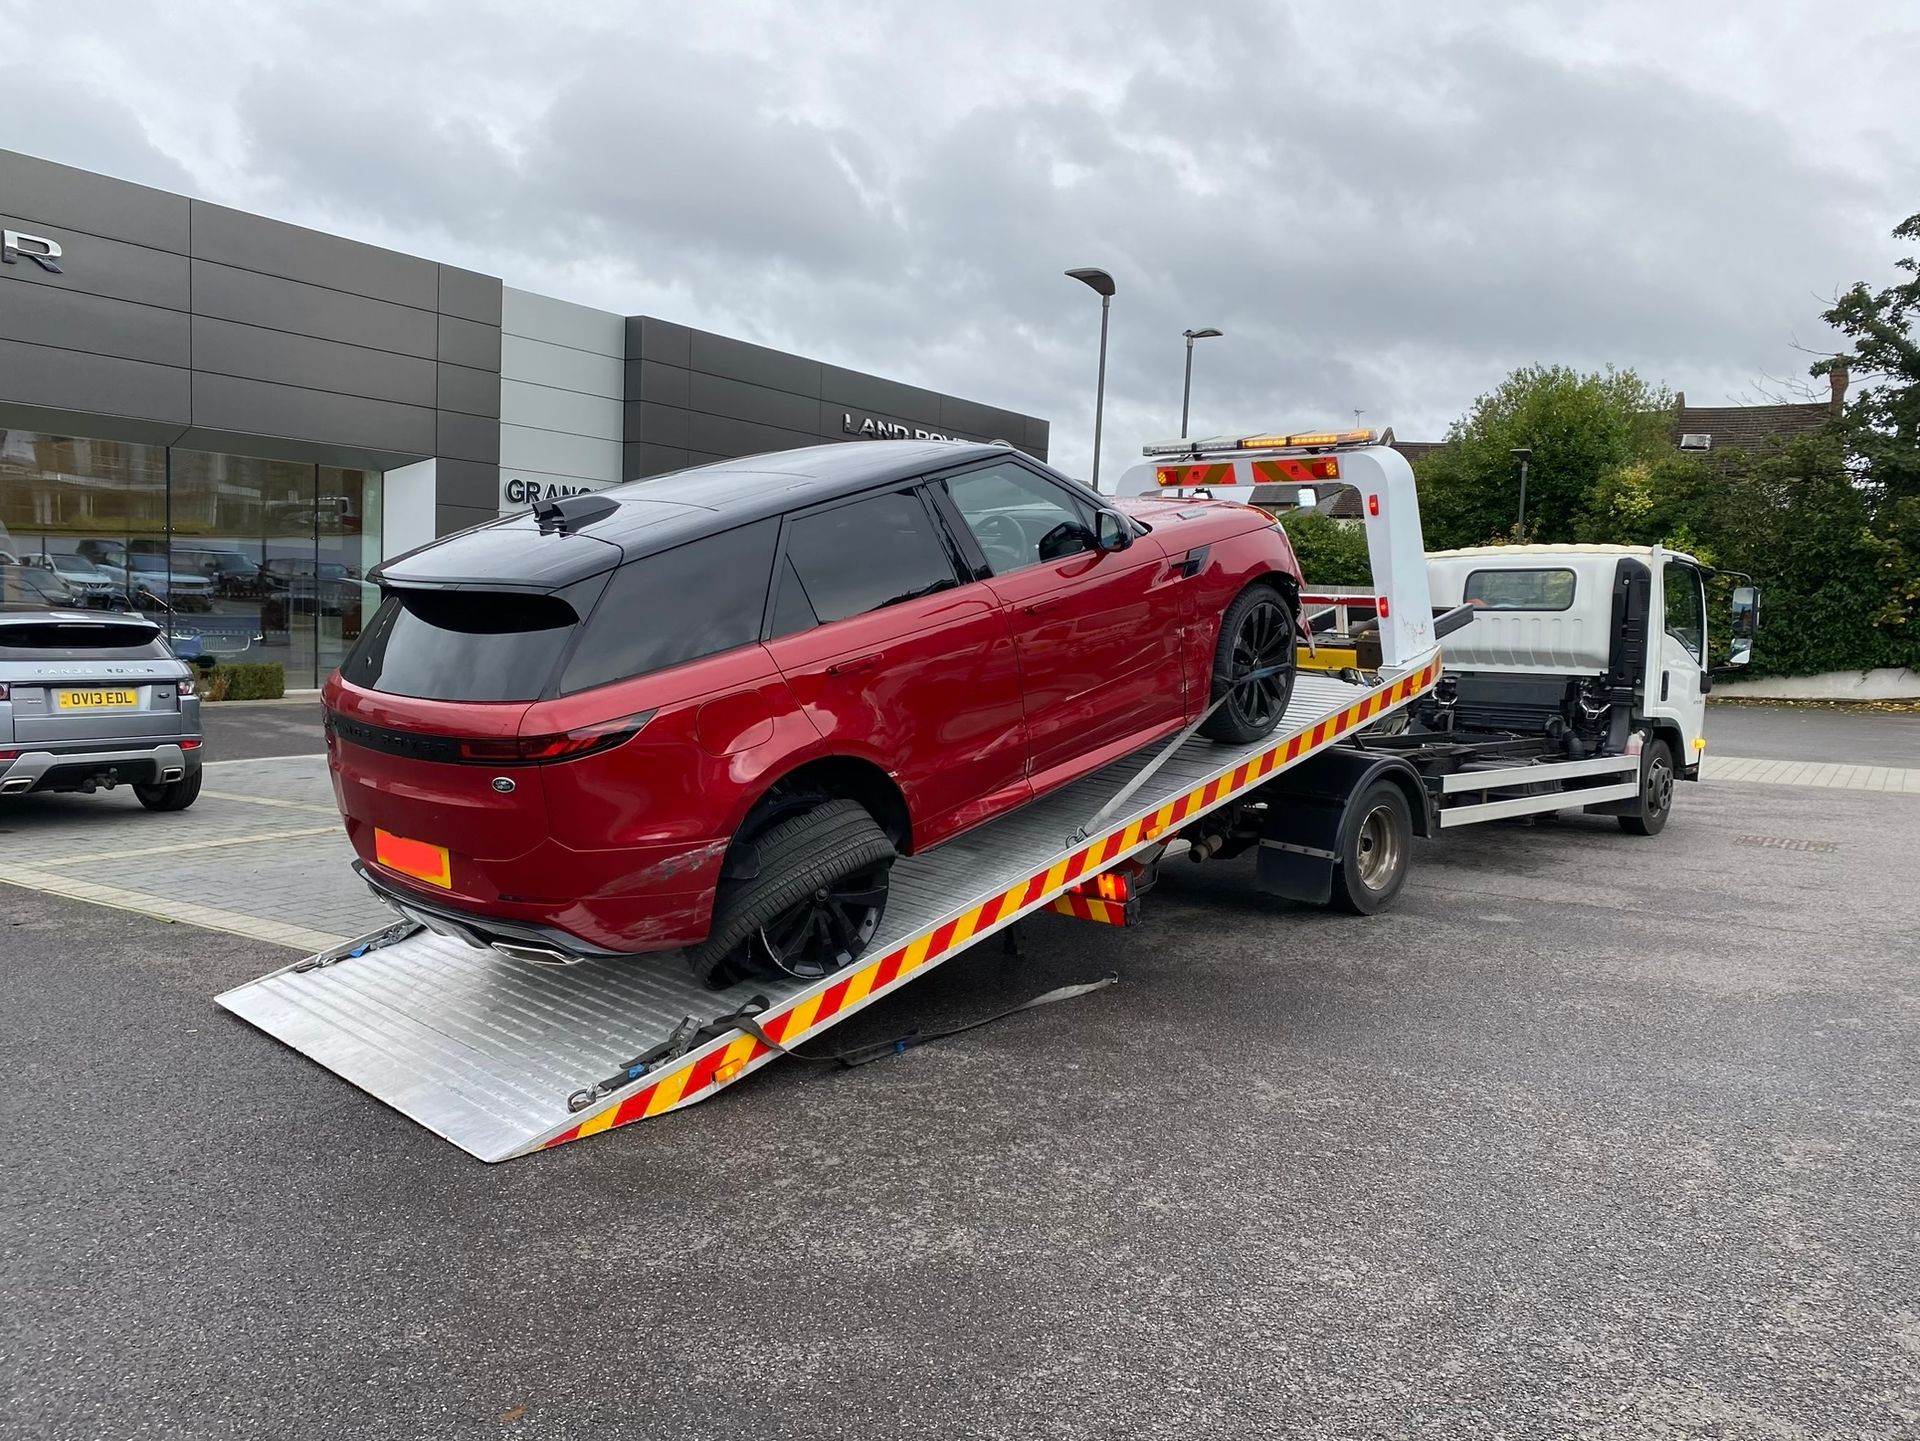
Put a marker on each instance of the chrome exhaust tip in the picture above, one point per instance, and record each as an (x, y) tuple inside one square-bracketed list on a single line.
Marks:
[(18, 786), (172, 773), (535, 952)]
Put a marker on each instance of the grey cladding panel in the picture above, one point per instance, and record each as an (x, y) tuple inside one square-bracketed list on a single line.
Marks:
[(755, 364), (62, 200), (467, 342), (245, 350), (469, 295), (88, 423), (265, 300), (652, 424), (983, 421), (468, 437), (306, 452), (447, 518), (643, 460), (41, 375), (109, 268), (661, 340), (46, 315), (720, 436), (852, 390), (1039, 433), (223, 402), (252, 242), (471, 392), (650, 380), (467, 483), (716, 395)]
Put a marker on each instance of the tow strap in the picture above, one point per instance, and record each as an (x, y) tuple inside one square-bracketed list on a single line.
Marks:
[(1125, 792), (690, 1033)]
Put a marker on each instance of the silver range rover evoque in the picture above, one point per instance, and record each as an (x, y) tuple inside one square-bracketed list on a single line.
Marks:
[(91, 699)]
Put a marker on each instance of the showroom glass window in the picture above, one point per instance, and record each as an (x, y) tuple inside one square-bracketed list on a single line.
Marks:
[(242, 559)]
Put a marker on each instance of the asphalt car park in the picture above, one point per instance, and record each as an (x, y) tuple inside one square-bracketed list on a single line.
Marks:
[(1592, 1134)]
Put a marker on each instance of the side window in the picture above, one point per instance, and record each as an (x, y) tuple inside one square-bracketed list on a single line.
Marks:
[(875, 552), (1686, 614), (1018, 518), (695, 600)]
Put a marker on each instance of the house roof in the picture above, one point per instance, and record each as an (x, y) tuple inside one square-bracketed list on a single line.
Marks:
[(1414, 449), (1745, 427)]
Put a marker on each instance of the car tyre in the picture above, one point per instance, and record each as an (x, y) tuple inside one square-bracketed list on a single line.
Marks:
[(813, 903), (170, 795), (1656, 791), (1256, 636)]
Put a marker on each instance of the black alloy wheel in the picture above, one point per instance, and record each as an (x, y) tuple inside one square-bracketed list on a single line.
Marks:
[(1253, 667), (827, 930)]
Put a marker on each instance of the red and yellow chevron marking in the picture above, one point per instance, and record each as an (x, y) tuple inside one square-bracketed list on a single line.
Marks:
[(1300, 470), (696, 1077), (1090, 908), (1220, 473)]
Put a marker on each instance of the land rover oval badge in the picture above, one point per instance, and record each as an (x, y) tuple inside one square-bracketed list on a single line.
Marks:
[(503, 784)]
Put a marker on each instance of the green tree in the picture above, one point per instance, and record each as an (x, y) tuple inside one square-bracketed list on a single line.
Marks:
[(1580, 428), (1882, 421), (1330, 553)]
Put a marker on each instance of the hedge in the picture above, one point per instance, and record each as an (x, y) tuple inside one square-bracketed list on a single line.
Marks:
[(262, 680)]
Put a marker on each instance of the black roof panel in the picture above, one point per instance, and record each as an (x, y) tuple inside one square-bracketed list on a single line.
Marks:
[(667, 510)]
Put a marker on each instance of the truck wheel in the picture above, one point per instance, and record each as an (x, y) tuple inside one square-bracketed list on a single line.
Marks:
[(1656, 791), (171, 795), (813, 905), (1375, 852), (1252, 667)]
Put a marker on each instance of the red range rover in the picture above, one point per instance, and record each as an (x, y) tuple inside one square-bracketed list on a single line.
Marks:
[(709, 710)]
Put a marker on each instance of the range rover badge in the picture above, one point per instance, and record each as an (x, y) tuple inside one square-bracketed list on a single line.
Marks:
[(503, 784)]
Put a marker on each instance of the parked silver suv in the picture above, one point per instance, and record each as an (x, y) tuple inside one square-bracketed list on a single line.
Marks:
[(90, 699)]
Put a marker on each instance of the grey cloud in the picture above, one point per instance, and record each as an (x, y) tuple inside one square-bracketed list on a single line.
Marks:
[(1385, 208)]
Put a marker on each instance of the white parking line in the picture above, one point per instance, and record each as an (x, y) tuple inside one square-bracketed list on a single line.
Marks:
[(179, 847), (272, 801), (262, 760), (211, 918)]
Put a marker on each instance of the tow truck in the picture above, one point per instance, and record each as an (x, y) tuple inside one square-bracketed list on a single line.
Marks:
[(1379, 744)]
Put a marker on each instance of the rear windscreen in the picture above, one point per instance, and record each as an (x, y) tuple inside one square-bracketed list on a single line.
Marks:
[(81, 640), (476, 645)]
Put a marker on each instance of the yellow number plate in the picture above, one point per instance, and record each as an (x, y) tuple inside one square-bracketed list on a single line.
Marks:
[(99, 699)]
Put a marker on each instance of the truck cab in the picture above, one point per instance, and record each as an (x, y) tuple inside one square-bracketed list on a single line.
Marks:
[(1583, 644)]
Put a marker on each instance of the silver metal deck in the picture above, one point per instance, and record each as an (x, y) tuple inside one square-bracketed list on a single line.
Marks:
[(484, 1050)]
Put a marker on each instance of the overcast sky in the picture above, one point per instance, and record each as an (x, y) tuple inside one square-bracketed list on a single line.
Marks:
[(1385, 206)]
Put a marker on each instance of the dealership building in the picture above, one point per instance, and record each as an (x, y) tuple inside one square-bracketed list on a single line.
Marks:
[(234, 419)]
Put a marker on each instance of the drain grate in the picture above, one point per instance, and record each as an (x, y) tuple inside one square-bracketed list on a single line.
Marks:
[(1786, 843)]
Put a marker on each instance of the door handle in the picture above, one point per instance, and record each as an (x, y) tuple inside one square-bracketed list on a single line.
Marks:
[(854, 666), (1040, 607)]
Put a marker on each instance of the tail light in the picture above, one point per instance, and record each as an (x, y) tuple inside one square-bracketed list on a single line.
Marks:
[(184, 688), (563, 746), (3, 692)]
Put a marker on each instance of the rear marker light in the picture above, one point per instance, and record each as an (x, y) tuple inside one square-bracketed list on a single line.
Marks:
[(1373, 505), (1383, 607), (9, 755), (727, 1070), (191, 743)]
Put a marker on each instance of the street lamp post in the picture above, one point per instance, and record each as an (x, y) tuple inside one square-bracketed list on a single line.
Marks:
[(1186, 389), (1523, 454), (1101, 284)]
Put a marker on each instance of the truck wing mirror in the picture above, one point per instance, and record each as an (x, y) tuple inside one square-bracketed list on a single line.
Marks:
[(1746, 620)]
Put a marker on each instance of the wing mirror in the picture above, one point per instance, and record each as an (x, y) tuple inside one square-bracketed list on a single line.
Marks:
[(1746, 620), (1111, 531)]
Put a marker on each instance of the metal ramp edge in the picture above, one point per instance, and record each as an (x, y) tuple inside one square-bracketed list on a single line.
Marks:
[(483, 1050)]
